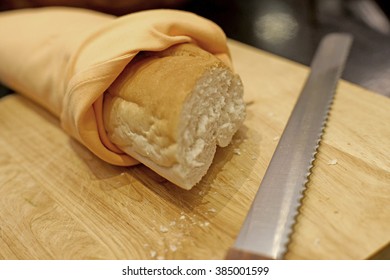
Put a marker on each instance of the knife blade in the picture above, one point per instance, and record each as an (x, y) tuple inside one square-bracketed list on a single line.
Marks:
[(266, 230)]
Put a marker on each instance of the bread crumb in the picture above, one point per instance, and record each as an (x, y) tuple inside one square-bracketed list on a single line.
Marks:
[(173, 248), (172, 223), (182, 217), (206, 224), (237, 151), (332, 162), (153, 254), (160, 258), (163, 229), (212, 210), (276, 138)]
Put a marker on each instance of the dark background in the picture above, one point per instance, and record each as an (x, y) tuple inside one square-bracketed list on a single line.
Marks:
[(293, 29)]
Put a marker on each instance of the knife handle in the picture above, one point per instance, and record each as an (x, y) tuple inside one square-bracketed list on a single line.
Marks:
[(238, 254)]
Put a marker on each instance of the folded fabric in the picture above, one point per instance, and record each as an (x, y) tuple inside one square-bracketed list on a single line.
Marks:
[(65, 58)]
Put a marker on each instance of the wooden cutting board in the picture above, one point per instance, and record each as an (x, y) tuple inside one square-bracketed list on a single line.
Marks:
[(58, 201)]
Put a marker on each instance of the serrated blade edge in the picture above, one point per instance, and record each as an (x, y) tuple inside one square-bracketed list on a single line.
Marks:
[(267, 228)]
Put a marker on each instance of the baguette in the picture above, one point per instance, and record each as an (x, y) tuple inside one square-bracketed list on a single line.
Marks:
[(171, 109)]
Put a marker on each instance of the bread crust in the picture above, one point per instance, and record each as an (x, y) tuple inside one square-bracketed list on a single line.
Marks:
[(152, 112)]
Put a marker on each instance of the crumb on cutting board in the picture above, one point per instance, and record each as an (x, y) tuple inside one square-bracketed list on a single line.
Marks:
[(332, 162), (163, 229)]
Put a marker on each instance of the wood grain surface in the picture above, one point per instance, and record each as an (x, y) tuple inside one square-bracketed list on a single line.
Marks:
[(58, 201)]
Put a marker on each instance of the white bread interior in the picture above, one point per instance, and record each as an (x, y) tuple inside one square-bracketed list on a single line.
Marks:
[(170, 109)]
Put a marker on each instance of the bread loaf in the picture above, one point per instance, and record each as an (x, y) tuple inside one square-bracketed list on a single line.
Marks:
[(171, 109)]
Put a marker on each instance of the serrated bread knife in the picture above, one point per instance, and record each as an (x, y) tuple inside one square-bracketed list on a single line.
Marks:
[(267, 228)]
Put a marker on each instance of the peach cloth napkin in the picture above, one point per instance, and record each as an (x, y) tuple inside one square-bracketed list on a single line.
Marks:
[(65, 58)]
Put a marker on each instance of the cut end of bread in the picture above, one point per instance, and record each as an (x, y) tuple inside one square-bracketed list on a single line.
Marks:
[(171, 111), (211, 116)]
